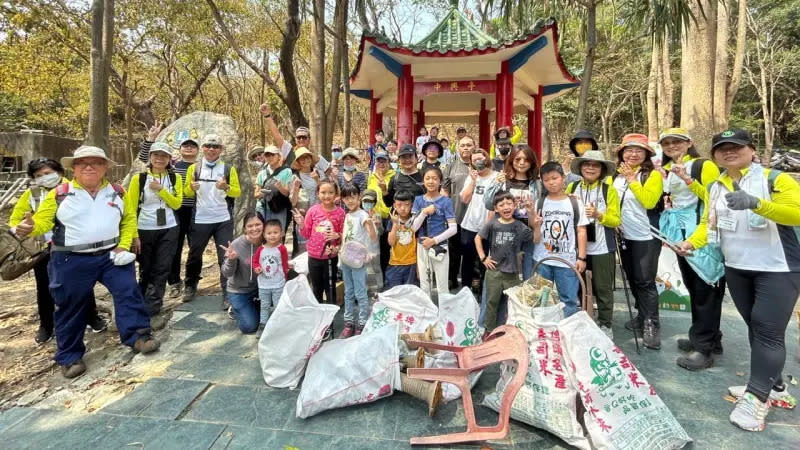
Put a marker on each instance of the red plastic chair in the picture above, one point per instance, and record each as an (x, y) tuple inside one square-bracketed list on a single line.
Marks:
[(505, 343)]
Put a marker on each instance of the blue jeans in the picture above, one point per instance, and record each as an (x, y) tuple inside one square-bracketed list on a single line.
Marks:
[(269, 298), (567, 284), (527, 259), (355, 289), (397, 275), (245, 309)]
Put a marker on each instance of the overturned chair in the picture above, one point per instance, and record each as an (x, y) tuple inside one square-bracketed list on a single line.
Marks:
[(505, 343)]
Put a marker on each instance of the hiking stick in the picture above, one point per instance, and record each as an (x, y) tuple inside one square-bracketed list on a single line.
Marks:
[(627, 296)]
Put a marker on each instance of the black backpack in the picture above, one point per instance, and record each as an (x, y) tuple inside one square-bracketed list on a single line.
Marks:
[(277, 201)]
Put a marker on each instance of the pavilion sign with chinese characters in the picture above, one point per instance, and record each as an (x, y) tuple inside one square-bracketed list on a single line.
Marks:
[(425, 88)]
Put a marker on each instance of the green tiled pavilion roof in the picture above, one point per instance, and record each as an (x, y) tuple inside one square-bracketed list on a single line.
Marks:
[(455, 32)]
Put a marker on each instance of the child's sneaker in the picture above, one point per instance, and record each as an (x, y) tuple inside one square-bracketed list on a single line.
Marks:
[(359, 329), (348, 331), (778, 399), (750, 413)]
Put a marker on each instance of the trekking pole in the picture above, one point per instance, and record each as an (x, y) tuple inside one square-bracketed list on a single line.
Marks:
[(627, 297)]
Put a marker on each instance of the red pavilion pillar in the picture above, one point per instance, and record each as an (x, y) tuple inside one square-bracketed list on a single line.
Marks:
[(537, 123), (504, 96), (483, 126), (420, 118), (379, 120), (405, 107), (373, 118)]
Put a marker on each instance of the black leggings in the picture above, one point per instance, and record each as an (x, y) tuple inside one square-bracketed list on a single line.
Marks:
[(765, 300), (640, 262), (322, 277), (706, 303)]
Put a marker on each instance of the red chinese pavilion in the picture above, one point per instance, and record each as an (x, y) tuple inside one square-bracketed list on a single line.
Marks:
[(459, 74)]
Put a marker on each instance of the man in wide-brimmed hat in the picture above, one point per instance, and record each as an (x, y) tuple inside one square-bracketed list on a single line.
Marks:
[(91, 243)]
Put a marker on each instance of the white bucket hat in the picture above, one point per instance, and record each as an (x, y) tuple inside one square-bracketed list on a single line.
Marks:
[(85, 151), (161, 147)]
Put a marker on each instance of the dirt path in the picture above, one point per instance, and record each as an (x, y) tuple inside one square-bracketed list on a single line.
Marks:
[(27, 368)]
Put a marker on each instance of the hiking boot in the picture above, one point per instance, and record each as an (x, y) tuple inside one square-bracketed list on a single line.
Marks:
[(97, 324), (175, 290), (685, 345), (328, 336), (749, 413), (359, 329), (652, 335), (348, 331), (635, 324), (43, 335), (73, 370), (607, 331), (158, 322), (146, 344), (230, 313), (188, 293), (695, 361), (779, 399)]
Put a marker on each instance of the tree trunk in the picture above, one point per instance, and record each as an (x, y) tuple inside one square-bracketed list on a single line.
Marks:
[(697, 75), (588, 63), (652, 113), (98, 93), (318, 125), (339, 53), (346, 83), (738, 57), (666, 102), (766, 103), (721, 68)]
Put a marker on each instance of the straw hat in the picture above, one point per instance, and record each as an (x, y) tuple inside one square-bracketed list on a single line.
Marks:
[(592, 155), (85, 151), (302, 151)]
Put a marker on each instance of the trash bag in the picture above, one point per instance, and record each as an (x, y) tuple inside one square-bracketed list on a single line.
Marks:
[(705, 261), (344, 372), (300, 263), (672, 293), (548, 399), (407, 305), (622, 408), (293, 334), (18, 256), (458, 325)]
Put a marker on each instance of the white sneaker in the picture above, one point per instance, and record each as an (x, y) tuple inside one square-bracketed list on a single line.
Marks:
[(608, 331), (782, 400), (750, 413)]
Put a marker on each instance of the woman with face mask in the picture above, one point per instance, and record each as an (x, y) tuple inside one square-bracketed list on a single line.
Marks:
[(348, 170), (46, 174)]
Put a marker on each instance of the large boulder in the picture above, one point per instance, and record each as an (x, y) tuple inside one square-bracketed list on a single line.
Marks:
[(200, 123)]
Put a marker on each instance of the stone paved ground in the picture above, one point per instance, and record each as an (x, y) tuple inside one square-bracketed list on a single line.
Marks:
[(204, 390)]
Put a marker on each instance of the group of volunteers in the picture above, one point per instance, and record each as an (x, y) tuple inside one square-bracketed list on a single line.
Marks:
[(426, 213)]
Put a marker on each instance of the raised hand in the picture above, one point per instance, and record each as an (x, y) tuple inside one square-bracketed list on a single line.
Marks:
[(627, 171), (265, 110), (680, 170), (152, 132), (155, 185), (25, 227), (230, 253), (739, 200), (501, 178), (298, 217)]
